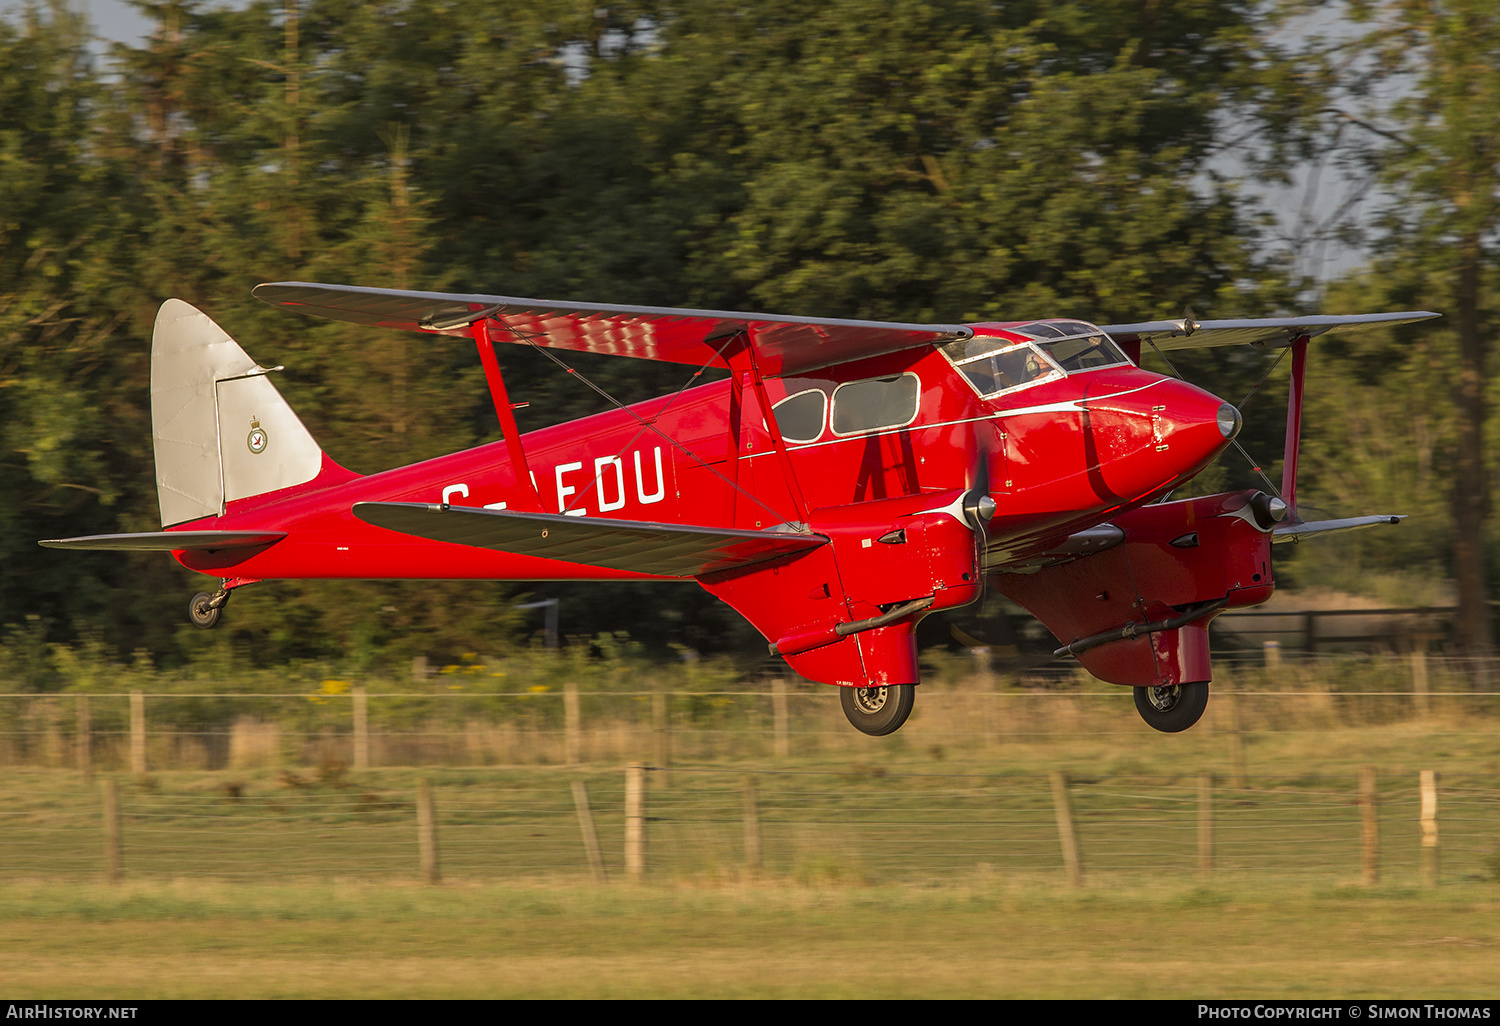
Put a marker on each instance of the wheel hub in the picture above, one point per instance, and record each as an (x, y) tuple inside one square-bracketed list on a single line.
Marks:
[(870, 700), (1164, 699)]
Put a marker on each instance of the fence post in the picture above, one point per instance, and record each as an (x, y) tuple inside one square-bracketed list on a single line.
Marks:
[(84, 741), (586, 827), (779, 716), (1419, 674), (1205, 825), (52, 746), (1271, 653), (427, 833), (661, 741), (1236, 742), (572, 726), (635, 822), (361, 729), (138, 733), (1065, 828), (1369, 829), (752, 825), (1429, 828), (113, 860), (984, 685)]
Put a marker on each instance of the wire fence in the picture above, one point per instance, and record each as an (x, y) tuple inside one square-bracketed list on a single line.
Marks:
[(366, 728), (814, 826)]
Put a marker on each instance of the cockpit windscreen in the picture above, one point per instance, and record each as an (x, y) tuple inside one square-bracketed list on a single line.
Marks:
[(1074, 345), (993, 365)]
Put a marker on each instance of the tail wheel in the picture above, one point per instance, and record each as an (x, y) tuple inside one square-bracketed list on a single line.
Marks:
[(878, 711), (202, 611), (1172, 709)]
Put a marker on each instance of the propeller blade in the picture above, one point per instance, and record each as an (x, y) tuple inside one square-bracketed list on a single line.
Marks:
[(979, 505)]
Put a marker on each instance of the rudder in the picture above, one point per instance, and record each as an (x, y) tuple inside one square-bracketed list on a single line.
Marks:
[(221, 430)]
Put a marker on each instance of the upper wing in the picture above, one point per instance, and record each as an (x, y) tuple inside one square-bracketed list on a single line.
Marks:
[(667, 550), (783, 345), (1272, 332)]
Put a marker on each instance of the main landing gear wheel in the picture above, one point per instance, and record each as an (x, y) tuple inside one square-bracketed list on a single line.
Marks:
[(1172, 709), (204, 612), (878, 711)]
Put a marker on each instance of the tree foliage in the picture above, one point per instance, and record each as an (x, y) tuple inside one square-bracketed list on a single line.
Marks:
[(1419, 82), (912, 160)]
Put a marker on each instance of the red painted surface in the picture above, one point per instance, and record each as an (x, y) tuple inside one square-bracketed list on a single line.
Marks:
[(1059, 457), (1221, 553)]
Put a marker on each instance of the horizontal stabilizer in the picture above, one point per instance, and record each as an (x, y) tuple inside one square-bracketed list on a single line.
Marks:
[(1270, 332), (666, 550), (168, 541), (1295, 532), (785, 344)]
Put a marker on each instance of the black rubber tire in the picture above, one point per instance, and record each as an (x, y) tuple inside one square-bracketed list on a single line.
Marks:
[(1172, 710), (878, 711), (201, 614)]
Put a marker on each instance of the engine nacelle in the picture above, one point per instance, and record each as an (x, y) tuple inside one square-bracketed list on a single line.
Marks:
[(1174, 556), (884, 556)]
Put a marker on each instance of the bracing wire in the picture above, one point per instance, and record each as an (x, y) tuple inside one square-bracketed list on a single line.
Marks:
[(1254, 465), (646, 425)]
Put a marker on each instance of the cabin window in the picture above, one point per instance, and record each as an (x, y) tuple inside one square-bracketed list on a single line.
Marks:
[(800, 417), (875, 403)]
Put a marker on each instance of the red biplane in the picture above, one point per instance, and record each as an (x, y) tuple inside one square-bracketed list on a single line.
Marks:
[(846, 479)]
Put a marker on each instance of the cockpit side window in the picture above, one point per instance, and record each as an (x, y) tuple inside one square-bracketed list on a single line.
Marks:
[(995, 365)]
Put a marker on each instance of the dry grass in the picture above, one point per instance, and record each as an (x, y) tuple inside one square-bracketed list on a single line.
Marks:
[(920, 865)]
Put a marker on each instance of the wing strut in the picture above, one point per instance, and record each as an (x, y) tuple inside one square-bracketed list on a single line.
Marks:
[(1294, 425), (507, 414), (794, 489)]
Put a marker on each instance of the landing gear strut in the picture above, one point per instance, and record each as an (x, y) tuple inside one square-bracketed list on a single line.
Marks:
[(1172, 709), (878, 711), (204, 609)]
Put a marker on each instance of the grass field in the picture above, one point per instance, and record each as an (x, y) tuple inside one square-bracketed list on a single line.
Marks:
[(921, 869), (968, 938)]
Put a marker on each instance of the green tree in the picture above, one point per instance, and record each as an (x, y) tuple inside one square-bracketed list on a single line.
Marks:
[(908, 160), (73, 458), (1436, 150)]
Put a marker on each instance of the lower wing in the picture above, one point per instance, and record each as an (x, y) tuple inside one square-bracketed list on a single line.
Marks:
[(666, 550)]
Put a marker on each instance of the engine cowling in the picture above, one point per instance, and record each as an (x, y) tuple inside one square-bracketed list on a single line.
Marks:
[(823, 610), (1174, 557)]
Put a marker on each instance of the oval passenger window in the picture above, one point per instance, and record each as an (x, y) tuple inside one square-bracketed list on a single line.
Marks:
[(800, 417)]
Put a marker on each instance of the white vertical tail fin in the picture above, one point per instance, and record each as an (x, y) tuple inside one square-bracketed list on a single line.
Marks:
[(221, 430)]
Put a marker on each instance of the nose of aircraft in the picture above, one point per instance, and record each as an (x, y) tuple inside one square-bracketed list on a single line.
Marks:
[(1195, 425)]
